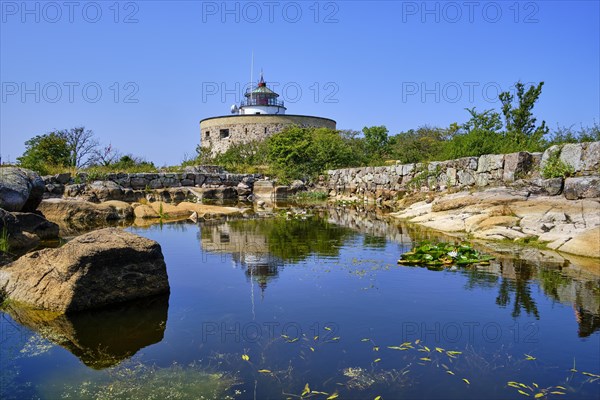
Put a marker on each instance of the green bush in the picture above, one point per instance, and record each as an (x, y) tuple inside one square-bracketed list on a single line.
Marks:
[(556, 168), (304, 153)]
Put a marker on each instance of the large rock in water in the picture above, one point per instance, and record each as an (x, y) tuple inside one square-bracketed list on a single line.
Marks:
[(20, 189), (93, 270), (25, 230)]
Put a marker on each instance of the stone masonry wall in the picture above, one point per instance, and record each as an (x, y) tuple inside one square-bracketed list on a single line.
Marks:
[(247, 128), (130, 187), (520, 169)]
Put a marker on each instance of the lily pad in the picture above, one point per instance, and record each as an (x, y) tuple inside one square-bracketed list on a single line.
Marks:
[(436, 256)]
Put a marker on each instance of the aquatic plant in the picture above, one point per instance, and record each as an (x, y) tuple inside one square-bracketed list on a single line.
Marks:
[(4, 245), (138, 381), (443, 255), (310, 196)]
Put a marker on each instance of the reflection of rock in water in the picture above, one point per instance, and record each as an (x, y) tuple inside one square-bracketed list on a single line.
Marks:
[(100, 338), (588, 322)]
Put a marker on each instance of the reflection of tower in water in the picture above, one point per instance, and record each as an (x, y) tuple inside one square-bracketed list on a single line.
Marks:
[(248, 247), (259, 267)]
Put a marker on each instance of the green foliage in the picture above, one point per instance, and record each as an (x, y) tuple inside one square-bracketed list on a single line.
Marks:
[(479, 135), (556, 168), (308, 197), (127, 163), (242, 157), (521, 127), (44, 152), (96, 174), (4, 245), (441, 255), (59, 150), (564, 135), (302, 153), (376, 141), (424, 144), (131, 163), (138, 381)]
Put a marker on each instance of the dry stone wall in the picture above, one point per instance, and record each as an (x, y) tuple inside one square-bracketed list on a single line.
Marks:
[(132, 187), (520, 169)]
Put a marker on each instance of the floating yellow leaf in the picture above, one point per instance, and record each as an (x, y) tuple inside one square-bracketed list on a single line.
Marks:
[(316, 337), (365, 340), (439, 349), (561, 387), (264, 371), (590, 374), (285, 336), (306, 390), (327, 328), (529, 357), (417, 341), (336, 338), (377, 398), (425, 358), (293, 340), (333, 396), (312, 348), (316, 392), (538, 395), (427, 349), (245, 357), (376, 348), (465, 380), (536, 385), (396, 348), (523, 393), (450, 372), (377, 360), (555, 392)]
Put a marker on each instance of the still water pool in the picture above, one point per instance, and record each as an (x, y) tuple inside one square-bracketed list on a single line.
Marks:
[(317, 308)]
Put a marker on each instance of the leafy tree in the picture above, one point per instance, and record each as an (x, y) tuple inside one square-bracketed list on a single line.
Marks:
[(521, 127), (487, 121), (240, 157), (288, 152), (424, 144), (376, 141), (303, 153), (479, 135), (44, 152), (75, 147)]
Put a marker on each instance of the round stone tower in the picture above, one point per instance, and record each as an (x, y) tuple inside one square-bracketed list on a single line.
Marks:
[(260, 115)]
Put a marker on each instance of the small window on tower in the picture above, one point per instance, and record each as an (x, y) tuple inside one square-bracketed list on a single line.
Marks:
[(224, 237), (246, 131), (265, 129), (224, 133), (207, 134)]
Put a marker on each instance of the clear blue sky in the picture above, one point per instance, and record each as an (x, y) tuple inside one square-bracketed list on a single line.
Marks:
[(163, 66)]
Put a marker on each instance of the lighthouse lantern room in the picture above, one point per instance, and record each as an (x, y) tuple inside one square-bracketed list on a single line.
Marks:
[(260, 100)]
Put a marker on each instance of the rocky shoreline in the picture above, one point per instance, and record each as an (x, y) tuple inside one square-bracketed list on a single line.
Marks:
[(558, 214), (570, 226)]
